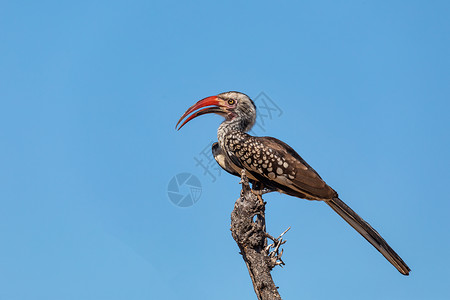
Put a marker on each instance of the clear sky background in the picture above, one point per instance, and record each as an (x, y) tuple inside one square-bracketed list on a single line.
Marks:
[(90, 93)]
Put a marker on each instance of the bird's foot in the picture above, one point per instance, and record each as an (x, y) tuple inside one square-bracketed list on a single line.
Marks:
[(275, 254), (258, 190), (261, 191), (258, 194)]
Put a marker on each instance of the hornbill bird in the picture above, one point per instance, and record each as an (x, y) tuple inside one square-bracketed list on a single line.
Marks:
[(272, 165)]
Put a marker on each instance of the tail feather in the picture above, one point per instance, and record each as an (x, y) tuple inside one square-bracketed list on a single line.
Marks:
[(370, 234)]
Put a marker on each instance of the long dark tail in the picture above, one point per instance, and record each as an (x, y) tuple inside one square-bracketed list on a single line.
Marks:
[(370, 234)]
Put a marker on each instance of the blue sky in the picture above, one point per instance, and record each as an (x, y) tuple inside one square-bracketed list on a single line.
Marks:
[(90, 94)]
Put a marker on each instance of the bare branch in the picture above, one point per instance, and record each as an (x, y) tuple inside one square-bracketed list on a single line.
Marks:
[(248, 229)]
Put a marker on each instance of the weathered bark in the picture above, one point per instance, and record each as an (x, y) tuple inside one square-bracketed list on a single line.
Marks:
[(249, 231)]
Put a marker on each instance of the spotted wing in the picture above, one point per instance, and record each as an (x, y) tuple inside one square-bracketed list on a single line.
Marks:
[(226, 164), (278, 166)]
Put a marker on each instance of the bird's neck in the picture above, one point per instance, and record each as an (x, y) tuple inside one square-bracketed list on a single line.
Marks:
[(235, 125)]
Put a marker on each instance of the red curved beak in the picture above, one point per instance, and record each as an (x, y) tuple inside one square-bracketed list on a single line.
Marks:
[(216, 106)]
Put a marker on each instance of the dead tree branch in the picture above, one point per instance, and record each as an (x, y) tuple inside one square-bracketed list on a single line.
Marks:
[(248, 229)]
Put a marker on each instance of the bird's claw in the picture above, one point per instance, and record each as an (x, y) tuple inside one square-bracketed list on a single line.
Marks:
[(258, 190), (261, 191), (258, 195)]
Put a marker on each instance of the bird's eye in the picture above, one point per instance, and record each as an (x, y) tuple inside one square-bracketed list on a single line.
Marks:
[(231, 101)]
